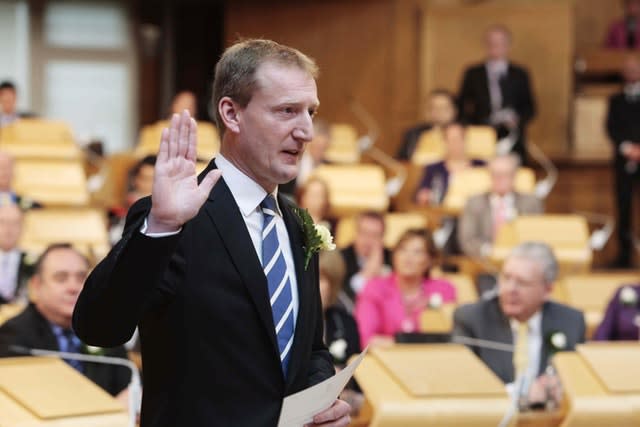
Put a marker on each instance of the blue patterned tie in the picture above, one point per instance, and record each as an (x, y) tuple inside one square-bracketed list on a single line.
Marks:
[(275, 268), (71, 344)]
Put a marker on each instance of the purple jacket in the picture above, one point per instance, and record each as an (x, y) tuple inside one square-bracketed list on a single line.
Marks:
[(617, 35), (619, 320)]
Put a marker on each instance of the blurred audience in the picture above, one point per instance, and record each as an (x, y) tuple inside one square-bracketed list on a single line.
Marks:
[(621, 321), (7, 194), (624, 33), (139, 185), (521, 308), (484, 214), (365, 258), (440, 109), (623, 127), (314, 155), (392, 304), (16, 266), (497, 92), (184, 100), (313, 196), (341, 332), (8, 104), (435, 182), (46, 322)]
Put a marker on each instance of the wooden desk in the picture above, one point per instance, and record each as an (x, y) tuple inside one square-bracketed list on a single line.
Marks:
[(441, 385), (46, 392), (602, 384)]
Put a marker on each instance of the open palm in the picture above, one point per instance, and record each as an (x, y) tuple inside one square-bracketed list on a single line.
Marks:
[(176, 196)]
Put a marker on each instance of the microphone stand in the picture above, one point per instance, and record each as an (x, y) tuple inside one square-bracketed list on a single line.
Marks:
[(135, 386)]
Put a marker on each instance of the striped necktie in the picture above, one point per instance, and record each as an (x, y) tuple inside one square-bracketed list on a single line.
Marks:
[(71, 344), (275, 269)]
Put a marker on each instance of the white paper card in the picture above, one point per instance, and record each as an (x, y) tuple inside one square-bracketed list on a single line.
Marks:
[(300, 408)]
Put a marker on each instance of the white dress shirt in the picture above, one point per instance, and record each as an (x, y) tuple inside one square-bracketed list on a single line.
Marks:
[(534, 348), (509, 206), (248, 195), (9, 266)]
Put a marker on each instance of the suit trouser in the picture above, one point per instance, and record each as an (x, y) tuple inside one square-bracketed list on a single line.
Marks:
[(624, 184)]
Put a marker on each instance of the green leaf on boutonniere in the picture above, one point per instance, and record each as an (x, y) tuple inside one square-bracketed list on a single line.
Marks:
[(316, 237)]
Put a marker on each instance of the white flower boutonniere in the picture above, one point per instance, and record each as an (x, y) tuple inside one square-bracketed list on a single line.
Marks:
[(338, 349), (435, 301), (557, 342), (316, 237), (628, 296), (30, 258)]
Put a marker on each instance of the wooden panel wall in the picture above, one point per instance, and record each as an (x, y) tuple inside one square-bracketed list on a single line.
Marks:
[(592, 22), (366, 50), (543, 42)]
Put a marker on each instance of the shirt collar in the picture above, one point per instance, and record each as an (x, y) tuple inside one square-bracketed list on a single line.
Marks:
[(534, 323), (497, 66), (508, 198), (247, 193)]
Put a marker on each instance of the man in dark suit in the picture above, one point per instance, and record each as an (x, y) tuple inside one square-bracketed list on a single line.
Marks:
[(365, 258), (497, 92), (522, 308), (16, 266), (214, 272), (46, 323), (623, 128)]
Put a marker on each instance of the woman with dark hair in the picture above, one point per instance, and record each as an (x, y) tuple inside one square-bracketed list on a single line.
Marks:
[(392, 304), (314, 197)]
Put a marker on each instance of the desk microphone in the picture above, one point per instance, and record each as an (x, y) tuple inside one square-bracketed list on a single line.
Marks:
[(135, 387), (518, 383)]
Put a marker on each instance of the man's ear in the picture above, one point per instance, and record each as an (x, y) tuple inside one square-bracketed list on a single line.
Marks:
[(230, 114)]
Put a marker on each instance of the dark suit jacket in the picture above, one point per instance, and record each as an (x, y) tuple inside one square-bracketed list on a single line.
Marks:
[(30, 329), (201, 301), (622, 121), (352, 267), (474, 100), (25, 271), (484, 320)]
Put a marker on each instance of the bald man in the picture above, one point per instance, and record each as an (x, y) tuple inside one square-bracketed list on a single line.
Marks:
[(15, 268)]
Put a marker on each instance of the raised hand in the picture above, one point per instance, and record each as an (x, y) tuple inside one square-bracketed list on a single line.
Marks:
[(176, 196)]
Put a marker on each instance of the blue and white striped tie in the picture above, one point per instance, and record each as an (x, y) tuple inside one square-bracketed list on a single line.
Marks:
[(275, 268)]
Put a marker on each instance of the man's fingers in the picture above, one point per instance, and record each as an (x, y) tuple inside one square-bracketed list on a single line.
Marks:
[(339, 411), (193, 140), (173, 136), (183, 133), (209, 181), (163, 151)]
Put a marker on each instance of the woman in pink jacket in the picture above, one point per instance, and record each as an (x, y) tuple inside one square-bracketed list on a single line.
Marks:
[(392, 304)]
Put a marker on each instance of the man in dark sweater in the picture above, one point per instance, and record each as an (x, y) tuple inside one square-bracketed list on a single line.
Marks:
[(623, 127)]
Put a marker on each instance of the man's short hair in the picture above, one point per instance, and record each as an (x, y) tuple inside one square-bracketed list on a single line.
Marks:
[(376, 216), (235, 74), (6, 84), (511, 156), (501, 29), (54, 247), (443, 92), (542, 254)]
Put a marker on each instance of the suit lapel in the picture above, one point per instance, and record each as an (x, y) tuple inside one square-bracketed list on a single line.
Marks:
[(226, 216), (546, 328), (486, 94), (488, 219), (503, 334), (294, 229)]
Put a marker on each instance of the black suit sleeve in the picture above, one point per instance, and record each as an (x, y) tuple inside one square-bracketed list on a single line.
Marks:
[(8, 334), (614, 125), (526, 107), (138, 272), (466, 98), (321, 364)]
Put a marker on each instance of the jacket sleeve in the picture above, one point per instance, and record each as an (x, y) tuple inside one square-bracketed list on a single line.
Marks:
[(321, 366), (527, 104), (136, 272), (614, 122)]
